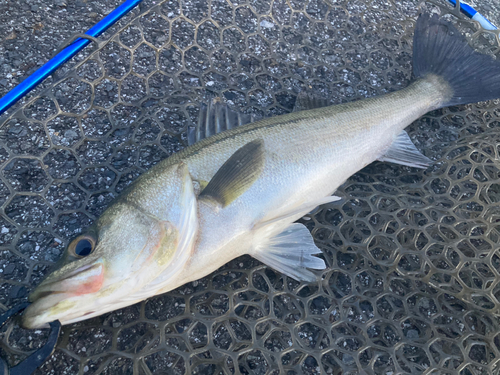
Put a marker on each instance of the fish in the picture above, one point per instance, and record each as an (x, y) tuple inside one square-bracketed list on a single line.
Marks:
[(240, 189)]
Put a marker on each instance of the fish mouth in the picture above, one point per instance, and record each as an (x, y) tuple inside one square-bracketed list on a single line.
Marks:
[(58, 298), (84, 280), (41, 312)]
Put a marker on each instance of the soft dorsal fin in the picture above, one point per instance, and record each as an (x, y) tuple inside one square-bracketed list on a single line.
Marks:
[(403, 151), (214, 118), (307, 101), (236, 175)]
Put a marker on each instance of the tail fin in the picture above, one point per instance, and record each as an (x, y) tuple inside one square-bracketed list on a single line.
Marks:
[(440, 49)]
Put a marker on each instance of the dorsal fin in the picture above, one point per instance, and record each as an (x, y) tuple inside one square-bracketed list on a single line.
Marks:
[(214, 118), (306, 100), (236, 175)]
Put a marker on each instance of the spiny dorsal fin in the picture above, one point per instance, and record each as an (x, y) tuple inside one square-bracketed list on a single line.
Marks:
[(403, 151), (236, 175), (215, 118), (292, 253), (307, 101)]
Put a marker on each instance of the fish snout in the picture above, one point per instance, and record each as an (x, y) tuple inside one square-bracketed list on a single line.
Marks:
[(84, 280), (56, 297)]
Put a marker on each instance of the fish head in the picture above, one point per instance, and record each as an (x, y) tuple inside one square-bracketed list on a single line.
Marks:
[(114, 263)]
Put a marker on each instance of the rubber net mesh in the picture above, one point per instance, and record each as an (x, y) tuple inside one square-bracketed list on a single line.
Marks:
[(413, 282)]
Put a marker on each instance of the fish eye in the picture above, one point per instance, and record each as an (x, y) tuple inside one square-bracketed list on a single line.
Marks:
[(82, 246)]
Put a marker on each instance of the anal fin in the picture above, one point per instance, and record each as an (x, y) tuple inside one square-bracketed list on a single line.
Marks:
[(292, 253), (403, 151)]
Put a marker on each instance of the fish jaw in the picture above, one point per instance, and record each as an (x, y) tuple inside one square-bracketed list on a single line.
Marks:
[(84, 280), (47, 309), (56, 296)]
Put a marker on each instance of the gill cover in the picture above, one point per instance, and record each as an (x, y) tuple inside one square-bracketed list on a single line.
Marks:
[(174, 238)]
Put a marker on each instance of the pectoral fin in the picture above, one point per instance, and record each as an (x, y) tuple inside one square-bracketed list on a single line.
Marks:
[(236, 175), (403, 151), (292, 253)]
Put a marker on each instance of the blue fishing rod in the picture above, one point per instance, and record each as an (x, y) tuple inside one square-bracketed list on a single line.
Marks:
[(474, 15), (37, 358), (66, 54)]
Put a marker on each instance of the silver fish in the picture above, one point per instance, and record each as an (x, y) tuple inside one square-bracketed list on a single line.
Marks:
[(240, 191)]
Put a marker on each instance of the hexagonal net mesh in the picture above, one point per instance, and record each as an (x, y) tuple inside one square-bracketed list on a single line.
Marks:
[(412, 284)]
